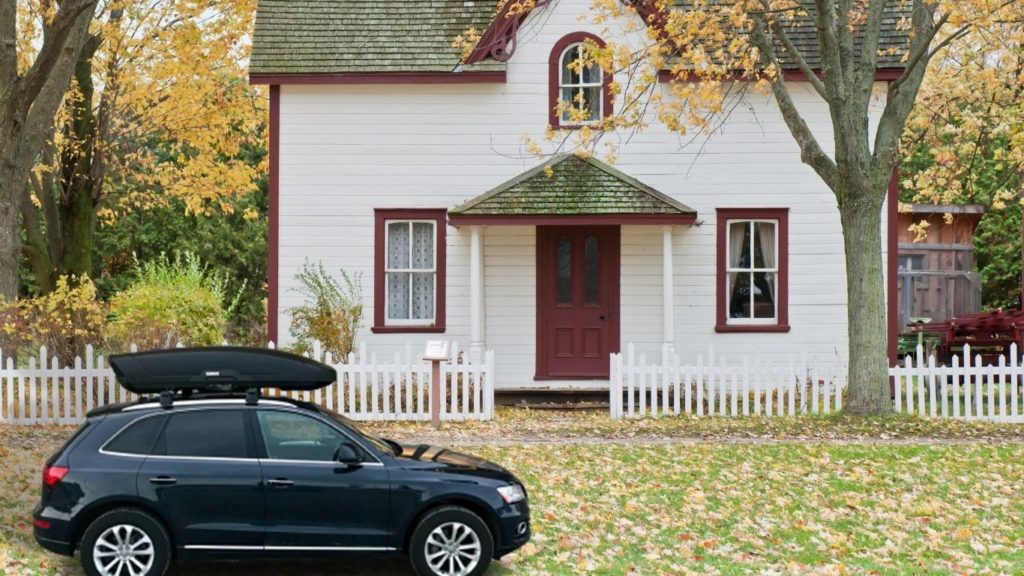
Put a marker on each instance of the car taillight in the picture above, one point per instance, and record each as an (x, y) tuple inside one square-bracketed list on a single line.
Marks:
[(53, 474)]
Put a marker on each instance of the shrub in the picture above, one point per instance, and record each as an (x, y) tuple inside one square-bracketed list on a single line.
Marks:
[(332, 311), (170, 302), (64, 320)]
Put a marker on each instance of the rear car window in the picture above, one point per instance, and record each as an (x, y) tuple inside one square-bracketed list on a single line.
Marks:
[(138, 437), (204, 434)]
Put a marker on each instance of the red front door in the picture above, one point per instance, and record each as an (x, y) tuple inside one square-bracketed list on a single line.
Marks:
[(577, 300)]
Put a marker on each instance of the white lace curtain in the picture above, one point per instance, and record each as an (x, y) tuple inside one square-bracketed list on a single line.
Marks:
[(411, 271)]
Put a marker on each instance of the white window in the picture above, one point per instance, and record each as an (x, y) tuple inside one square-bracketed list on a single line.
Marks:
[(410, 272), (580, 86), (752, 292)]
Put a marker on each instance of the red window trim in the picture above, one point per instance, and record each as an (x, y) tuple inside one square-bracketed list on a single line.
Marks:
[(554, 67), (381, 215), (722, 324)]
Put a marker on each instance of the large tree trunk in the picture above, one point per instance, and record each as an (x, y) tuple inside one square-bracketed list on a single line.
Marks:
[(28, 104), (861, 215)]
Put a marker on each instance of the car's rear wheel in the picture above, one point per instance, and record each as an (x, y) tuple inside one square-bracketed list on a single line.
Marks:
[(125, 542), (451, 541)]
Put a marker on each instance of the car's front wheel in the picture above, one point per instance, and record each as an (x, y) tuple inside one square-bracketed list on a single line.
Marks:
[(451, 541), (125, 542)]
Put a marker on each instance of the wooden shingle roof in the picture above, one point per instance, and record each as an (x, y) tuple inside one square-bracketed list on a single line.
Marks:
[(362, 36), (567, 186), (416, 36)]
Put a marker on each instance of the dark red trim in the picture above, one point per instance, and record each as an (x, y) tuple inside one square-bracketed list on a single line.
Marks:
[(273, 213), (381, 215), (499, 41), (722, 324), (555, 220), (381, 78), (892, 264), (792, 75), (554, 67)]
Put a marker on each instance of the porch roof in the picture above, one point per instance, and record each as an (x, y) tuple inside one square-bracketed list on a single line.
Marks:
[(568, 189)]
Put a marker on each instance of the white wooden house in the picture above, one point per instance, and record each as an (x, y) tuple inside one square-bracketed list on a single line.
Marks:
[(391, 159)]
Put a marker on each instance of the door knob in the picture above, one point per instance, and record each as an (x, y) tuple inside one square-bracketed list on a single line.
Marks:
[(602, 317), (163, 480), (280, 482)]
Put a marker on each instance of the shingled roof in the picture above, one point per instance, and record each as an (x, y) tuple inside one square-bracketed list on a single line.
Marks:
[(360, 36), (415, 36), (567, 185)]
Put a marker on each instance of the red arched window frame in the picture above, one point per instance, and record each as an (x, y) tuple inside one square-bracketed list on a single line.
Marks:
[(554, 67)]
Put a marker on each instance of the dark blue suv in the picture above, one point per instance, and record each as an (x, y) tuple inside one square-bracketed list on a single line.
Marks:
[(206, 474)]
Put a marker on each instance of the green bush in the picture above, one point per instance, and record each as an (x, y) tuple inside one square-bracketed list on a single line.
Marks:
[(170, 302), (332, 311)]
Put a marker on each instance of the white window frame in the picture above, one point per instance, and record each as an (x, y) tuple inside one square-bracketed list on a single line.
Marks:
[(388, 320), (729, 269), (579, 87)]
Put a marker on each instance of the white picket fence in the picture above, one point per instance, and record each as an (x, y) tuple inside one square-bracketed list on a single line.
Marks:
[(369, 387), (724, 385), (966, 389)]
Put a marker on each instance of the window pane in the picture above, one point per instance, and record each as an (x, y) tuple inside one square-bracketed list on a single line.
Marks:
[(739, 295), (764, 245), (398, 295), (739, 247), (592, 280), (592, 102), (207, 433), (398, 245), (567, 96), (423, 296), (564, 270), (138, 438), (764, 295), (423, 245), (295, 437), (592, 74), (570, 66)]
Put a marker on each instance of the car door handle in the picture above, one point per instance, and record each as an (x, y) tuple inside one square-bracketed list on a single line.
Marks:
[(280, 483), (163, 480)]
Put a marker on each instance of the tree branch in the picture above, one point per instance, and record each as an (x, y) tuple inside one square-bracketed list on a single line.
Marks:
[(810, 151), (55, 46), (791, 48)]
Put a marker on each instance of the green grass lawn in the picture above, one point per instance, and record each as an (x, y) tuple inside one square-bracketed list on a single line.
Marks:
[(725, 508)]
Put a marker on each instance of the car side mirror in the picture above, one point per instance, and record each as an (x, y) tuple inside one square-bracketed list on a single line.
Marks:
[(347, 453)]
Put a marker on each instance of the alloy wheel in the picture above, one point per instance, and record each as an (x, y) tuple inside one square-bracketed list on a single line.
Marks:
[(123, 550), (452, 549)]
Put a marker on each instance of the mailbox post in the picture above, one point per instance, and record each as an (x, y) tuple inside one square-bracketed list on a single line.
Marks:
[(436, 351)]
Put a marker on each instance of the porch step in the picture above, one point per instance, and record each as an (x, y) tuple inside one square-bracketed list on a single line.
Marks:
[(553, 400)]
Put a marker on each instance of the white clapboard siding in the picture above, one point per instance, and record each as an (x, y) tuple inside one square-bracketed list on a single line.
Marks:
[(724, 385), (368, 388), (966, 389)]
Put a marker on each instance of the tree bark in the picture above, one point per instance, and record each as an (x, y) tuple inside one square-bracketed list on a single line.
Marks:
[(861, 216), (28, 104)]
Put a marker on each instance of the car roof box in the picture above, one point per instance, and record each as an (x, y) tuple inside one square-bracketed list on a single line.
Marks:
[(218, 369)]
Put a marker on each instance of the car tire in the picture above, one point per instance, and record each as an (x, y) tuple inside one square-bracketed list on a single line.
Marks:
[(470, 541), (125, 542)]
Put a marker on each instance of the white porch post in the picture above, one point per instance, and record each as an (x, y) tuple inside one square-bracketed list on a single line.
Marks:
[(668, 327), (476, 289)]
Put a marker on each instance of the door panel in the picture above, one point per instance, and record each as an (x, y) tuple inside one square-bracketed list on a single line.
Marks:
[(577, 300), (314, 502), (204, 480)]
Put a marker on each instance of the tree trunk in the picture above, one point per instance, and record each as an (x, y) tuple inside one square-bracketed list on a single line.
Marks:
[(861, 215), (10, 228)]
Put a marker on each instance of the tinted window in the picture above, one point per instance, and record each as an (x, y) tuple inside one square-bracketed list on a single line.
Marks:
[(290, 436), (205, 433), (138, 437)]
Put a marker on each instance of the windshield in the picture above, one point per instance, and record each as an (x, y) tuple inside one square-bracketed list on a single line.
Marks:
[(378, 443)]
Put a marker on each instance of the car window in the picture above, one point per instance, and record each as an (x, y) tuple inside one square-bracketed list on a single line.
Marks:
[(138, 437), (290, 436), (204, 433)]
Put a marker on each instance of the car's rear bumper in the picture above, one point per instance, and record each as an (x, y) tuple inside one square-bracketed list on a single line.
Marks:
[(51, 530), (55, 546)]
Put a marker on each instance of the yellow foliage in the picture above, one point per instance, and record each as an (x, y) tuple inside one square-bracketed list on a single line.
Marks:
[(65, 320)]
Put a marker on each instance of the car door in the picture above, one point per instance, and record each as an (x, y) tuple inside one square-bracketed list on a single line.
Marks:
[(204, 478), (313, 502)]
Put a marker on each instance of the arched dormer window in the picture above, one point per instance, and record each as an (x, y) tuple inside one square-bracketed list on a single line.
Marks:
[(586, 90)]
